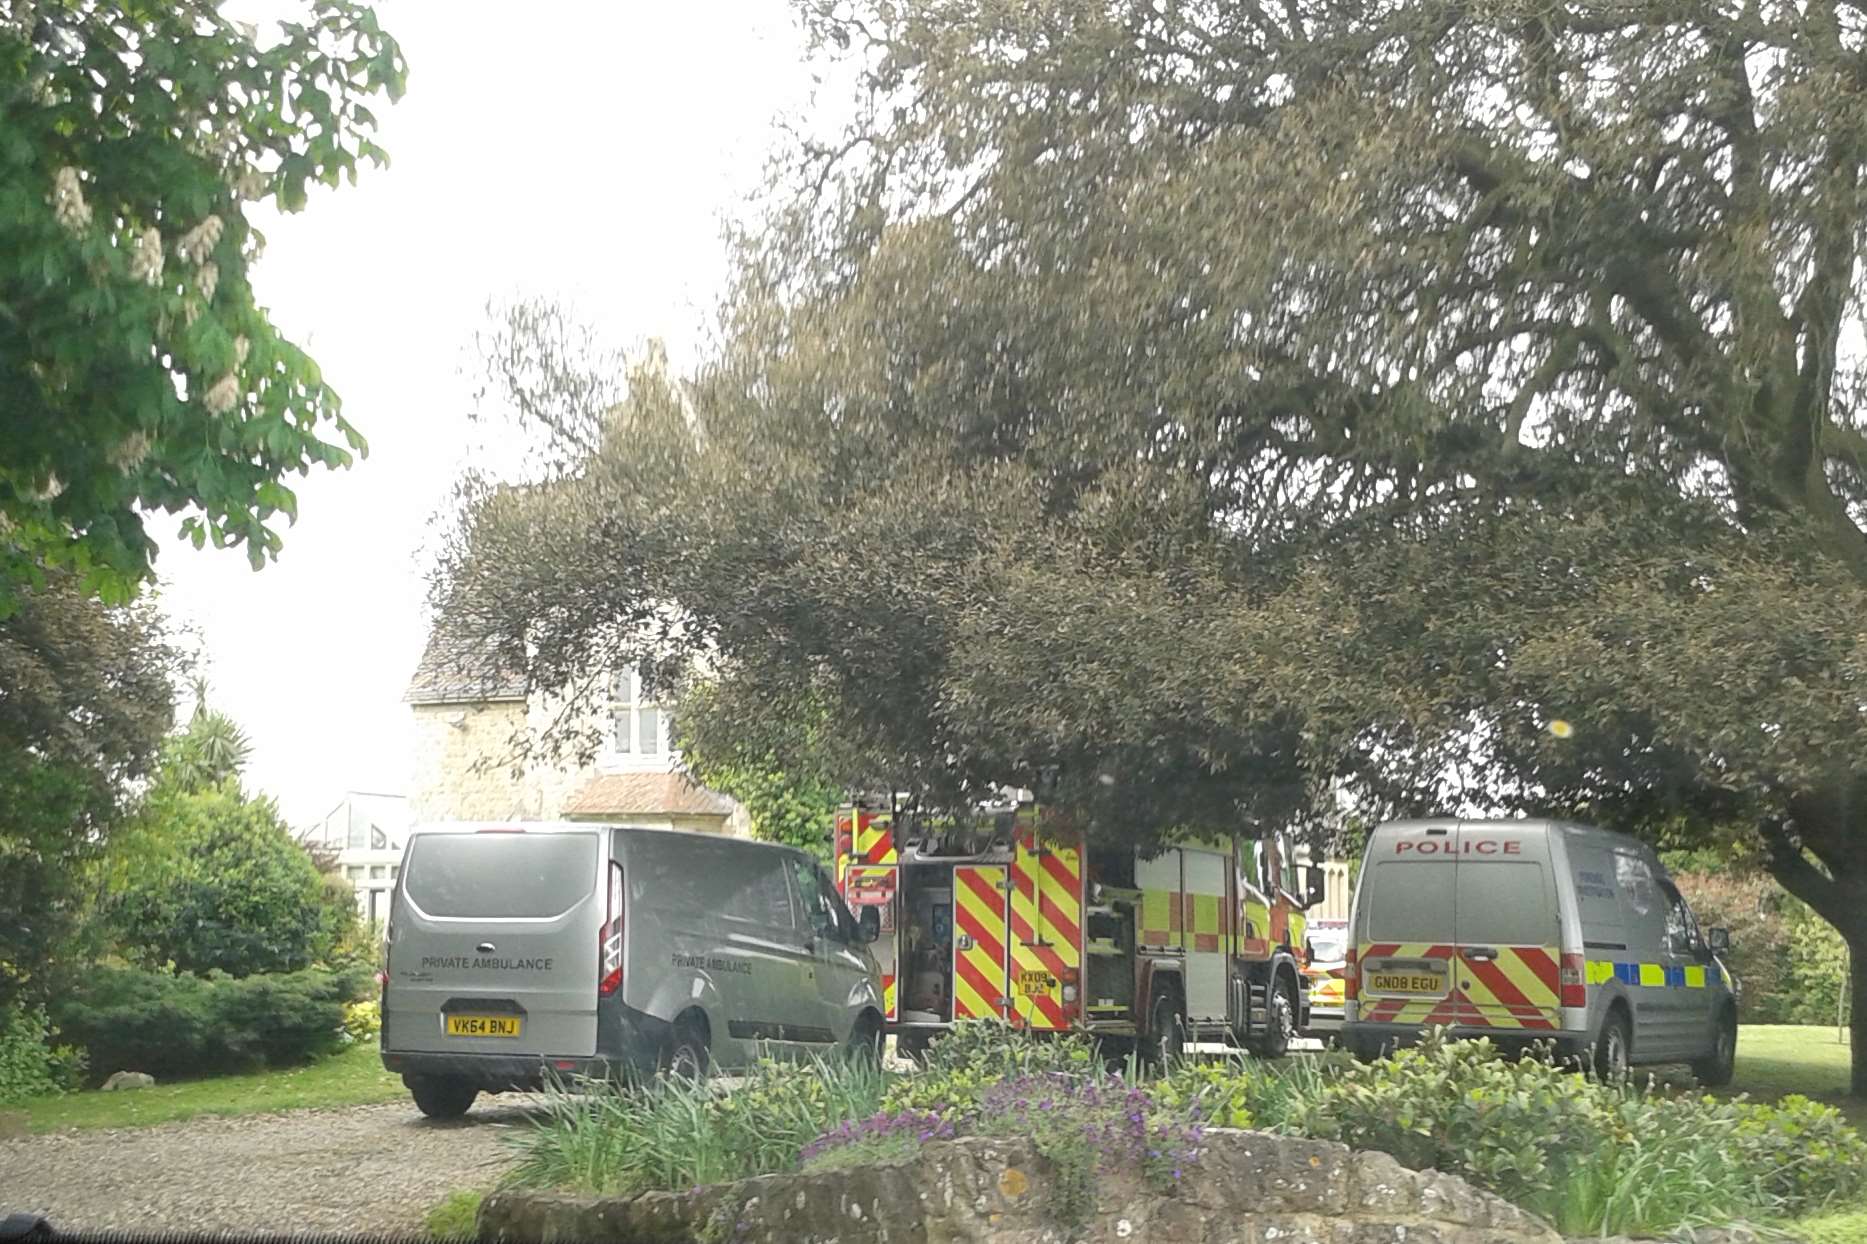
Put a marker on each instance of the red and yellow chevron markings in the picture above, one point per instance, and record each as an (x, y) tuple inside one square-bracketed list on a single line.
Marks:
[(979, 927), (1046, 930), (1521, 988)]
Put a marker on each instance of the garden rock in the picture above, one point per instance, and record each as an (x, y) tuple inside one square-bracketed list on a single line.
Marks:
[(129, 1080), (1243, 1188)]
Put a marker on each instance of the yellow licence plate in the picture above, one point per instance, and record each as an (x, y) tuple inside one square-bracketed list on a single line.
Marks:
[(1407, 982), (1033, 984), (483, 1025)]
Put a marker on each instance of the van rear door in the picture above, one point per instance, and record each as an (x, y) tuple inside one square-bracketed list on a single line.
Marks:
[(1405, 907), (493, 947), (1508, 932)]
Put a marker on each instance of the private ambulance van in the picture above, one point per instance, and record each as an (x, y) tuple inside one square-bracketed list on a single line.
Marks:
[(522, 953), (1525, 931)]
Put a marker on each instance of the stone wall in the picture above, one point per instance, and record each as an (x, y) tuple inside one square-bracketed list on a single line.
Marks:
[(1245, 1188), (462, 768)]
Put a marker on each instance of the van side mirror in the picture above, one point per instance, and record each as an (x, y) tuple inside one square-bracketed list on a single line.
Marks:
[(1719, 940), (1314, 885), (869, 925)]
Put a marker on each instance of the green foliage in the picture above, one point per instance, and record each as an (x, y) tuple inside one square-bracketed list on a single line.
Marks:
[(776, 769), (362, 1020), (33, 1063), (87, 696), (976, 1055), (1591, 1157), (211, 880), (675, 1133), (137, 370), (858, 1154), (1818, 968), (455, 1218), (180, 1025), (212, 749)]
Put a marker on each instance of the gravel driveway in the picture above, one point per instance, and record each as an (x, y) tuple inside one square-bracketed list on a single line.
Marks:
[(359, 1168)]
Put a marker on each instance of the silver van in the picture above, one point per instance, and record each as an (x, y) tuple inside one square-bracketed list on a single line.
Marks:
[(1526, 931), (519, 953)]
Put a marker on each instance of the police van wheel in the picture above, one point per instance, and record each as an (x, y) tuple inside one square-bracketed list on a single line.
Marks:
[(1613, 1049), (442, 1097), (686, 1057), (1715, 1070)]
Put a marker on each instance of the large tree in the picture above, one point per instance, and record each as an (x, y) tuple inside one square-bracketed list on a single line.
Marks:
[(86, 694), (137, 372), (1204, 411)]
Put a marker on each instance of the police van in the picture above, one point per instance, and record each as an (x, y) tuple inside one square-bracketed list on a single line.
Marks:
[(1525, 931), (519, 953)]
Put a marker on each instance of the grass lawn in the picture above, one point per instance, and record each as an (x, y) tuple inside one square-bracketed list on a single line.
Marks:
[(1777, 1059), (352, 1077)]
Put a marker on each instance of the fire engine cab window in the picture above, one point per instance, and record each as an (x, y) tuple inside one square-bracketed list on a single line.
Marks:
[(500, 876), (1412, 902), (1505, 904)]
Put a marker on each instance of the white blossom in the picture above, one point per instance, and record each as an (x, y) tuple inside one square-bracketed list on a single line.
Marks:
[(130, 452), (223, 396), (146, 257), (49, 490), (68, 203), (252, 184), (209, 277), (240, 347), (199, 242)]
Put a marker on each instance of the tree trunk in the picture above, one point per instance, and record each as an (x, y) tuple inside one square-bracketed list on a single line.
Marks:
[(1857, 1029)]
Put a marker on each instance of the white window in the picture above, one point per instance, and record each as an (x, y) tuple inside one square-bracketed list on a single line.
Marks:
[(637, 724), (377, 872), (354, 872)]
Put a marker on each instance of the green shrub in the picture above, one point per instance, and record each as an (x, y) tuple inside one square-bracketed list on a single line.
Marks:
[(32, 1064), (1592, 1158), (978, 1053), (210, 880), (669, 1134), (362, 1020), (175, 1025)]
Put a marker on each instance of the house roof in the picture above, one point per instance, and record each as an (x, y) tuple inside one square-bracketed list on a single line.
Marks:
[(461, 669), (626, 794)]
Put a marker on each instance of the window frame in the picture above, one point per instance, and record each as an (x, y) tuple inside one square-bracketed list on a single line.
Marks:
[(627, 704)]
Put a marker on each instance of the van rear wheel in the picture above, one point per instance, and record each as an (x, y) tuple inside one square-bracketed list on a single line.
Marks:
[(442, 1097), (1614, 1048), (686, 1056)]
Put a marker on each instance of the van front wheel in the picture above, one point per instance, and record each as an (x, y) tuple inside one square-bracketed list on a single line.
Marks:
[(1715, 1069), (442, 1097)]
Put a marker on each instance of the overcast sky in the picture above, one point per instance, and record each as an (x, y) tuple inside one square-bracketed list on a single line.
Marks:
[(580, 150)]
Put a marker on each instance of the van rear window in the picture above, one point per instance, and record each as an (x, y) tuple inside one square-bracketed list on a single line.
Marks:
[(1411, 901), (1505, 904), (500, 876)]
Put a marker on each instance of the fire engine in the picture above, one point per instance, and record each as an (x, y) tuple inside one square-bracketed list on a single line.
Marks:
[(1003, 912)]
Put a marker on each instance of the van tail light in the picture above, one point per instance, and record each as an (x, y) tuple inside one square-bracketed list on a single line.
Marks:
[(1351, 979), (1574, 981), (609, 938)]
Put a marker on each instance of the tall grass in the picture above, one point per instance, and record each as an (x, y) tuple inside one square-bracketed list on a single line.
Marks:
[(676, 1133)]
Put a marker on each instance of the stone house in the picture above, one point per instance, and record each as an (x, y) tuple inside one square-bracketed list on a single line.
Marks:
[(470, 715)]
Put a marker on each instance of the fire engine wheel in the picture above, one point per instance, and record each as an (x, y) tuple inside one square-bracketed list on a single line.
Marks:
[(1166, 1031), (1280, 1027), (912, 1046)]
